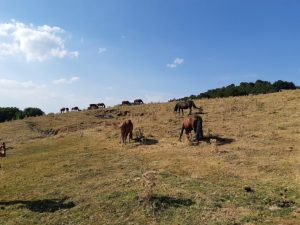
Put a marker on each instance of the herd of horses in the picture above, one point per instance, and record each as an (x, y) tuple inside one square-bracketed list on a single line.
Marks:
[(101, 105), (189, 124)]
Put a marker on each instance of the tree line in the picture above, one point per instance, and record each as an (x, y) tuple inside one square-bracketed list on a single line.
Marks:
[(13, 113), (245, 88)]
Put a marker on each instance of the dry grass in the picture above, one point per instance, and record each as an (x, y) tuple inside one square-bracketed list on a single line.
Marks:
[(70, 169)]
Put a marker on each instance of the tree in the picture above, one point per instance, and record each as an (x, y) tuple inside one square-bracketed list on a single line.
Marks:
[(279, 85), (10, 113), (28, 112)]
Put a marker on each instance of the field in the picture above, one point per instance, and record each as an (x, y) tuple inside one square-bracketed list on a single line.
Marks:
[(71, 169)]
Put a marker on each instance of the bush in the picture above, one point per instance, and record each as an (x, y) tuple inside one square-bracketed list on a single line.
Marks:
[(28, 112), (13, 113), (10, 113)]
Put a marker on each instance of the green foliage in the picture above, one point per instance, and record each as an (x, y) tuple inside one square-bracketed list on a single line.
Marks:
[(10, 113), (245, 88), (13, 113), (28, 112)]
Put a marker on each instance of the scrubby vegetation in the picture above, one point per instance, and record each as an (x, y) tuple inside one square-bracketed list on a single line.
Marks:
[(245, 88), (13, 113)]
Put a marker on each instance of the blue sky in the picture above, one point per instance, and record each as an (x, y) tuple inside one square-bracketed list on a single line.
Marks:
[(72, 53)]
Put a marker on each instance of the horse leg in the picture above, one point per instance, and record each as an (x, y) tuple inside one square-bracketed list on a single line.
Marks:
[(121, 139), (181, 133), (188, 136), (126, 135)]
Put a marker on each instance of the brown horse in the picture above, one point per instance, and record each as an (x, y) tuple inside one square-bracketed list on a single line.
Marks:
[(126, 128), (138, 102), (62, 110), (75, 109), (126, 103), (2, 150), (67, 109), (192, 123), (185, 105), (101, 105), (93, 106)]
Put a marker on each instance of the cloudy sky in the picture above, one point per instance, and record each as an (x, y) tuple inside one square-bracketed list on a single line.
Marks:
[(72, 53)]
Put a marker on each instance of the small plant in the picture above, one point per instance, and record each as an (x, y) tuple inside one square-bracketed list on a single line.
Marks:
[(214, 144), (139, 135), (148, 183)]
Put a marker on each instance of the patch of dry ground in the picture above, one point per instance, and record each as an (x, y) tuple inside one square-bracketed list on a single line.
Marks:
[(70, 168)]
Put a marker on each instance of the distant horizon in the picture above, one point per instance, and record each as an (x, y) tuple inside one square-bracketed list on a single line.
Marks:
[(57, 53)]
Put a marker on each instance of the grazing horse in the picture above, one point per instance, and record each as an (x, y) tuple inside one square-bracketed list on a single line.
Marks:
[(62, 110), (126, 128), (185, 105), (101, 105), (2, 150), (75, 109), (138, 101), (192, 123), (126, 103), (93, 106)]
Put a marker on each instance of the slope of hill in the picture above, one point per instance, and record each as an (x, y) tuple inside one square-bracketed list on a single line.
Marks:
[(70, 168)]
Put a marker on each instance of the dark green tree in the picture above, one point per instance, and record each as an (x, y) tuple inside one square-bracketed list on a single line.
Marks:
[(30, 111)]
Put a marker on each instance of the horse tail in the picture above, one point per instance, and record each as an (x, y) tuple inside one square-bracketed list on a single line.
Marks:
[(199, 130), (181, 133)]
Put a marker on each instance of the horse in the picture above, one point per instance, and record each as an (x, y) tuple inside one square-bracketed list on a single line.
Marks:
[(126, 103), (192, 123), (75, 109), (62, 110), (93, 106), (138, 102), (67, 109), (126, 128), (185, 105), (101, 105), (2, 150)]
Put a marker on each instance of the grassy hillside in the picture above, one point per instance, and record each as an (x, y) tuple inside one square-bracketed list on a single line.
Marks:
[(71, 169)]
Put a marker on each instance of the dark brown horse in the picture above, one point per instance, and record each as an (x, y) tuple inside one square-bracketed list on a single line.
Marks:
[(138, 101), (75, 109), (62, 110), (93, 106), (185, 105), (126, 128), (67, 109), (101, 105), (191, 123), (2, 150), (126, 103)]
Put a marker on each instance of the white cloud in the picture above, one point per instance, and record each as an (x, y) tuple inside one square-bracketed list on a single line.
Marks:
[(6, 84), (66, 81), (35, 43), (176, 62), (101, 50)]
